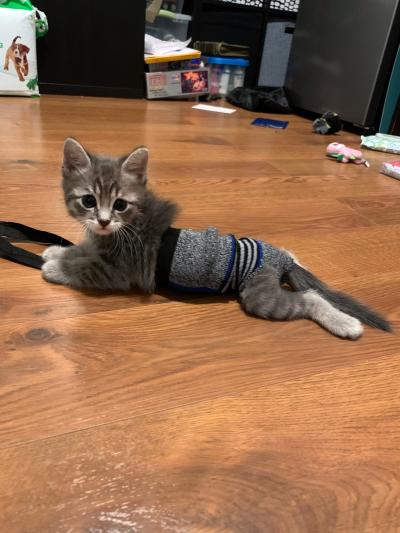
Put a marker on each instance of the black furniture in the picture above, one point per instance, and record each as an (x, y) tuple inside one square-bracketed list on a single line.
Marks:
[(232, 23), (236, 23), (92, 48), (342, 58)]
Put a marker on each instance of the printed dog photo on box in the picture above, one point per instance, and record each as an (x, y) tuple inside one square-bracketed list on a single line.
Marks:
[(17, 53)]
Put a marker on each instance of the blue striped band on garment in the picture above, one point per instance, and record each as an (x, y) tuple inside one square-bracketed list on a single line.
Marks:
[(248, 258)]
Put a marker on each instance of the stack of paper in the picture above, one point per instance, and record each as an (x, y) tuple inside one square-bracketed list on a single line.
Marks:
[(157, 47)]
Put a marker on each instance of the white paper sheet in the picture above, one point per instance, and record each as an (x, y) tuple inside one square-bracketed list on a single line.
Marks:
[(214, 108), (157, 47)]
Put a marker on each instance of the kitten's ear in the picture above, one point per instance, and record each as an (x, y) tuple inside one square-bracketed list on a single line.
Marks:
[(135, 165), (75, 157)]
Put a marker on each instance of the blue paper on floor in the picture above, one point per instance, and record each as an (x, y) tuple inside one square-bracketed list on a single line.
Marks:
[(270, 123)]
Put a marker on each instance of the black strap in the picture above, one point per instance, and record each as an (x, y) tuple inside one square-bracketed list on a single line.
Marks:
[(165, 256), (13, 231)]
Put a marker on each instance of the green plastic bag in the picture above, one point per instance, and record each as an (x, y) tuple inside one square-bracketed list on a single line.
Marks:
[(16, 4), (42, 26)]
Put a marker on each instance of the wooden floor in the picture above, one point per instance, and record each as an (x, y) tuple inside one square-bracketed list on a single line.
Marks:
[(121, 413)]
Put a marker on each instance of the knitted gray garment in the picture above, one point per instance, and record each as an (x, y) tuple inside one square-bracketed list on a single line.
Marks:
[(206, 261)]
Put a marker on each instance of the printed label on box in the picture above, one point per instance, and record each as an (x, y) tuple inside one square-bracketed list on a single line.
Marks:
[(177, 83)]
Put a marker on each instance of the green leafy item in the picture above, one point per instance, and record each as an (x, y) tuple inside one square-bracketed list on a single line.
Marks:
[(32, 84)]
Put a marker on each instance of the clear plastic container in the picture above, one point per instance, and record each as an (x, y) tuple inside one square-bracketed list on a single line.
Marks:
[(215, 76), (238, 77), (169, 26), (224, 80), (226, 73)]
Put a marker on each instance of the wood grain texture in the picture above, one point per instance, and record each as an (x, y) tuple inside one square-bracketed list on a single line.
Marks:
[(123, 413)]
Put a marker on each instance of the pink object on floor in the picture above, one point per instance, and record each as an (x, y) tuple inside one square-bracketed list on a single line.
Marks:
[(392, 168), (344, 154)]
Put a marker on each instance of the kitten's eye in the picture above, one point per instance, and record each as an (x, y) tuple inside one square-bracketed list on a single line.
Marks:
[(120, 204), (88, 201)]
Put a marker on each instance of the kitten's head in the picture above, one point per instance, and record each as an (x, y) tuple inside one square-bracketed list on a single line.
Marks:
[(103, 193)]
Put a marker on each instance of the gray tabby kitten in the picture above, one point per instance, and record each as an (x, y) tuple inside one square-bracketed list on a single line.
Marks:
[(125, 224)]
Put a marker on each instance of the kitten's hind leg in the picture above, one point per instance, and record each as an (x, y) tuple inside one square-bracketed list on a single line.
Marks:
[(263, 296)]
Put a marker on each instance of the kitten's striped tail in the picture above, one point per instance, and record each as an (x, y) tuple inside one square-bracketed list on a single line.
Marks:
[(301, 279)]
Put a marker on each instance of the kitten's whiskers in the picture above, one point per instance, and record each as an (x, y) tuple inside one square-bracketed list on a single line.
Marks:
[(132, 229), (130, 242)]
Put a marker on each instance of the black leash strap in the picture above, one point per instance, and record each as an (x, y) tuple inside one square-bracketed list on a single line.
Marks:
[(15, 232)]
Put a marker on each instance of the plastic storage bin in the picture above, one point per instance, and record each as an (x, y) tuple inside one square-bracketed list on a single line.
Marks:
[(169, 26), (226, 73)]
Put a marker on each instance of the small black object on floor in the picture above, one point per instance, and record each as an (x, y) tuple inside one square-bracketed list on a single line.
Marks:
[(328, 124)]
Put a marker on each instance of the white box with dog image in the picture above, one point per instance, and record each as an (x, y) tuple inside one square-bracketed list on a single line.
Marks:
[(18, 67)]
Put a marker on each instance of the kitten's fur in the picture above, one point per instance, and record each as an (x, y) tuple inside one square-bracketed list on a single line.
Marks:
[(120, 250)]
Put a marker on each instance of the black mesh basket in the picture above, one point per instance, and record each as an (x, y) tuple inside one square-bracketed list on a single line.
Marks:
[(288, 6), (291, 6), (248, 3)]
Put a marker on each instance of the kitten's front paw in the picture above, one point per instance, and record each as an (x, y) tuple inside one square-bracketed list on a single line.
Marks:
[(52, 272), (53, 252)]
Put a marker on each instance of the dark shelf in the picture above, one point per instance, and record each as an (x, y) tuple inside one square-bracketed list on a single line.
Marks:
[(242, 7), (214, 20)]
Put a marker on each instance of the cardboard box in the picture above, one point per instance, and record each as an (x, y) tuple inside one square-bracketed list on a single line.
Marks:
[(177, 83)]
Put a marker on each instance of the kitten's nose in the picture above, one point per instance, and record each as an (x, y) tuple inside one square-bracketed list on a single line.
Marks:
[(104, 223)]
